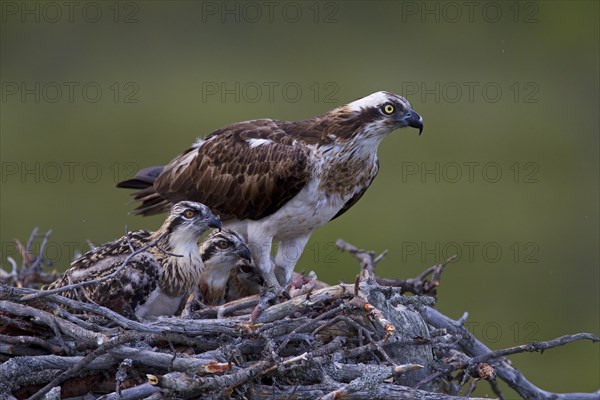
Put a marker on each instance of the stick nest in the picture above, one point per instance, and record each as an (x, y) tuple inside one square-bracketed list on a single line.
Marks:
[(375, 338)]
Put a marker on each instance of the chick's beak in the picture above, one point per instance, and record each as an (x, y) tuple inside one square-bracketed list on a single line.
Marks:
[(244, 252)]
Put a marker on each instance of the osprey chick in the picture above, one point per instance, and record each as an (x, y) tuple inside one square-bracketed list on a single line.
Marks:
[(156, 281), (222, 252), (278, 181), (245, 280)]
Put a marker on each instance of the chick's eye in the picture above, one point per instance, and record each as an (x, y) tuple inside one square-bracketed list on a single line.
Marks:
[(189, 213), (223, 244), (388, 108), (246, 269)]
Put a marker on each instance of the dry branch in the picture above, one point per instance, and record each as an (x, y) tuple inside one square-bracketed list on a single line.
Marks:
[(478, 353), (355, 341)]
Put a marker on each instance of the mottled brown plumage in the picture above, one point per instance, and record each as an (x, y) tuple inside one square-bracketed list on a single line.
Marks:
[(277, 181), (243, 184), (153, 282), (237, 183)]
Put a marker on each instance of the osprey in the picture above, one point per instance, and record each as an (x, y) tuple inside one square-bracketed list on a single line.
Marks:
[(244, 280), (156, 281), (222, 252), (278, 181)]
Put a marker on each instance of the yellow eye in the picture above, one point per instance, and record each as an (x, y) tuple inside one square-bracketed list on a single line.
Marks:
[(189, 213), (223, 244), (388, 109)]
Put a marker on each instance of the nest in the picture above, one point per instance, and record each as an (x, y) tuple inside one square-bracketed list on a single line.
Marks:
[(375, 338)]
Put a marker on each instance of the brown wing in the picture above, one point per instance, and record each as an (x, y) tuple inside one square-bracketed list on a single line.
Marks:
[(354, 199), (129, 289), (236, 179), (99, 261), (121, 293)]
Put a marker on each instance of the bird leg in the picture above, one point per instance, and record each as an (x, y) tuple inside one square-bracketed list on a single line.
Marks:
[(269, 294), (288, 254), (272, 289)]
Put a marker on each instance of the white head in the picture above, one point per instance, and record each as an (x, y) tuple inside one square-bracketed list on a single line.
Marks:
[(383, 112)]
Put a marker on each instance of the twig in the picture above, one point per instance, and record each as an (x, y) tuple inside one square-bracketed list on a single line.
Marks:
[(363, 331), (504, 370), (366, 259), (347, 337), (75, 369), (138, 392), (535, 346), (372, 377), (49, 320), (309, 324), (195, 385), (31, 340), (14, 272), (383, 391), (35, 266), (30, 240), (420, 285)]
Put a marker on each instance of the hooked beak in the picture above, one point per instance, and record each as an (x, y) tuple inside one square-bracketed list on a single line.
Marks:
[(214, 222), (413, 120), (244, 252)]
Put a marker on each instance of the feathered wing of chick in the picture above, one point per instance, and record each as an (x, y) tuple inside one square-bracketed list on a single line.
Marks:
[(154, 282)]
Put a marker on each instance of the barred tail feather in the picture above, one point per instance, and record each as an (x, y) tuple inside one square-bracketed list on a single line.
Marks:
[(143, 181)]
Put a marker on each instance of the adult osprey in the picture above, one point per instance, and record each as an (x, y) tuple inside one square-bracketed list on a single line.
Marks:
[(277, 181), (154, 282)]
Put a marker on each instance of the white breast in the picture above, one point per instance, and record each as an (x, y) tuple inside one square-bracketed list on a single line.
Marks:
[(311, 208), (158, 304), (308, 210)]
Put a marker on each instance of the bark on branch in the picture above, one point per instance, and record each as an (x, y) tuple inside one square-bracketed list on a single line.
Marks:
[(355, 341)]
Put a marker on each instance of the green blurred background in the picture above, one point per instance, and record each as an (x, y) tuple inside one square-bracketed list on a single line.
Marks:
[(505, 173)]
